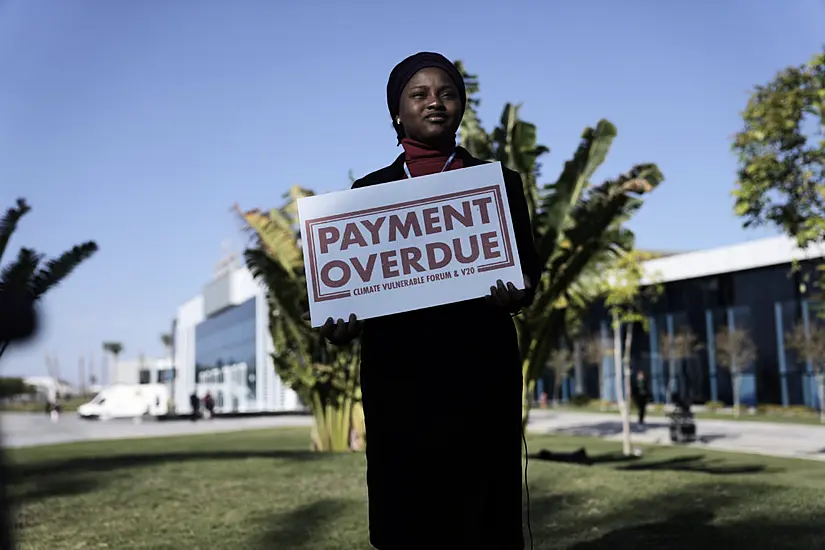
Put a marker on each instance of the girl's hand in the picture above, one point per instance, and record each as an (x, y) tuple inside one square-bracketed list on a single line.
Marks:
[(507, 296), (341, 332)]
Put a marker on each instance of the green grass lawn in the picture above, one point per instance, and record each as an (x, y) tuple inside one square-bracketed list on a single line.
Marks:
[(261, 490)]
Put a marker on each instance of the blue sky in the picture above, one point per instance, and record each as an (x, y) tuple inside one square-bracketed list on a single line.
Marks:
[(140, 124)]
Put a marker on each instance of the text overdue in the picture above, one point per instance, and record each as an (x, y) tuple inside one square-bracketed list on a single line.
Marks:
[(409, 244)]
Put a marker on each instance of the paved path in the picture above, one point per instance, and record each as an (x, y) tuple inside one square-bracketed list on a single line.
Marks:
[(766, 438), (29, 429), (787, 440)]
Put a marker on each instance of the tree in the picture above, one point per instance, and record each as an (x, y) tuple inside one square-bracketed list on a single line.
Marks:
[(167, 342), (811, 345), (578, 226), (13, 387), (326, 377), (30, 271), (81, 375), (594, 351), (735, 353), (679, 347), (560, 362), (472, 135), (781, 177), (115, 348), (625, 298)]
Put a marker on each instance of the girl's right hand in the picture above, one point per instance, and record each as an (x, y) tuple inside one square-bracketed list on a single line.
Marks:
[(340, 332)]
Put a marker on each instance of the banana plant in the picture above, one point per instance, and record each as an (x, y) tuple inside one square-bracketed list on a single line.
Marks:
[(515, 145), (473, 136), (325, 377), (578, 227), (576, 239)]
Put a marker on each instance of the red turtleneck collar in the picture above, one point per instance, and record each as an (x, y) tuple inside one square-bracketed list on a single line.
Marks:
[(423, 159)]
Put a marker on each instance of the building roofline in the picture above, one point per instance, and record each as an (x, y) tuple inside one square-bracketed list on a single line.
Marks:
[(727, 259)]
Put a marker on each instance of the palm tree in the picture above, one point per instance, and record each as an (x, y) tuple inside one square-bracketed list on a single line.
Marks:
[(115, 348), (92, 375), (578, 226), (30, 272), (326, 378), (166, 340)]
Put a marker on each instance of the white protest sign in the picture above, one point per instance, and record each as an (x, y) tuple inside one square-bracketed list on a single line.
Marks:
[(409, 244)]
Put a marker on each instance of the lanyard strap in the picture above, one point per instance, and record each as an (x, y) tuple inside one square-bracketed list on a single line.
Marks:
[(446, 164)]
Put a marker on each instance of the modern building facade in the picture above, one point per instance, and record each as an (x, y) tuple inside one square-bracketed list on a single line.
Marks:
[(749, 287), (222, 346), (143, 370)]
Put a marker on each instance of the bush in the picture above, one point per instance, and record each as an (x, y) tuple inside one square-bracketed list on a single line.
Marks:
[(14, 387), (793, 410), (801, 410), (714, 405), (580, 400)]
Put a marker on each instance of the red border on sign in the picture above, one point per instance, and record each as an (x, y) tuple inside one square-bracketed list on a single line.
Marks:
[(309, 234)]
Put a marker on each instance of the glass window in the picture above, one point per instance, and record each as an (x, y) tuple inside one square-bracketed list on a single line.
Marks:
[(221, 342)]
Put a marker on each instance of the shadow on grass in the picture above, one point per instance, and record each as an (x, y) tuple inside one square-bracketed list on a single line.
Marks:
[(692, 463), (697, 463), (606, 429), (100, 464), (303, 527), (695, 529), (705, 516), (76, 476), (710, 438), (614, 428), (50, 487)]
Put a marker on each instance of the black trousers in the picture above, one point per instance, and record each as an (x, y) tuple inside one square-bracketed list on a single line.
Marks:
[(641, 405)]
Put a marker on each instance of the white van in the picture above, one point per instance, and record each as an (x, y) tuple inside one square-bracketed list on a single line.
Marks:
[(127, 401)]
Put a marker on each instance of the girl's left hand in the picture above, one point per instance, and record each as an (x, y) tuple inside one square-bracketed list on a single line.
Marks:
[(507, 296)]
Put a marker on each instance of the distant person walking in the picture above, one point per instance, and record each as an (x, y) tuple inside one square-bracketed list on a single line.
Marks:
[(195, 403), (209, 404), (641, 395), (53, 408)]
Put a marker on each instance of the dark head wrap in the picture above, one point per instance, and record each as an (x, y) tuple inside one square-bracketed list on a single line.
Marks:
[(404, 71)]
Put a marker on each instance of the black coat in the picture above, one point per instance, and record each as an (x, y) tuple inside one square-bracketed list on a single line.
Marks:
[(442, 404), (640, 392)]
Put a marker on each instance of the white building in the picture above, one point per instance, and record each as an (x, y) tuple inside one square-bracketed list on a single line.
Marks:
[(142, 370), (222, 346)]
